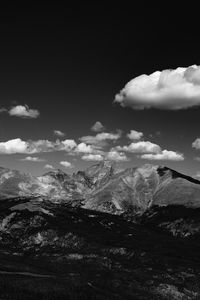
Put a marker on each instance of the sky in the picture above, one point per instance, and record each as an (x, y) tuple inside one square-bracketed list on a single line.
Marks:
[(87, 83)]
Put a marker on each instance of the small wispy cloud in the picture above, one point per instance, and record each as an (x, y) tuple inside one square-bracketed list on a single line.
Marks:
[(48, 166), (33, 159), (134, 135), (2, 110), (196, 144), (98, 127), (58, 133), (66, 164), (92, 157), (23, 111)]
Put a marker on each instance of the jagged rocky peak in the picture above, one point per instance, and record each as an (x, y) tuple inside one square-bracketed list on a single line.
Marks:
[(101, 169), (58, 174), (97, 174)]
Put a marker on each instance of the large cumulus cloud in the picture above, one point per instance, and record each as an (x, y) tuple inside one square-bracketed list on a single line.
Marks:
[(168, 89)]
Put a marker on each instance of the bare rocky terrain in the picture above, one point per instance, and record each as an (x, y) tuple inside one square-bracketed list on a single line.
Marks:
[(101, 233)]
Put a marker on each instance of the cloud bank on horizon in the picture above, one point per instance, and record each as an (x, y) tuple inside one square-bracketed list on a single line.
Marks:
[(168, 89), (91, 150)]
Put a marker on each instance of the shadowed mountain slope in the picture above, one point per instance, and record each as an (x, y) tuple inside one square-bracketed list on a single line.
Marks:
[(101, 233)]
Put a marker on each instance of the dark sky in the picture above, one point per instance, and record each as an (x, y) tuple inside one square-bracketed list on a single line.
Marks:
[(70, 62)]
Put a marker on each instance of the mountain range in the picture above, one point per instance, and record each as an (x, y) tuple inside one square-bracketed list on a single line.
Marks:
[(103, 187), (101, 233)]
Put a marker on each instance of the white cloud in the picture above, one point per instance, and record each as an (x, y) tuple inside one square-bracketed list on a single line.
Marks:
[(140, 147), (28, 147), (23, 111), (59, 133), (98, 127), (66, 164), (108, 136), (92, 157), (100, 138), (67, 145), (156, 134), (31, 147), (149, 150), (169, 89), (196, 144), (33, 159), (113, 155), (116, 156), (134, 135), (164, 155), (2, 110), (83, 148), (43, 146), (47, 166), (14, 146)]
